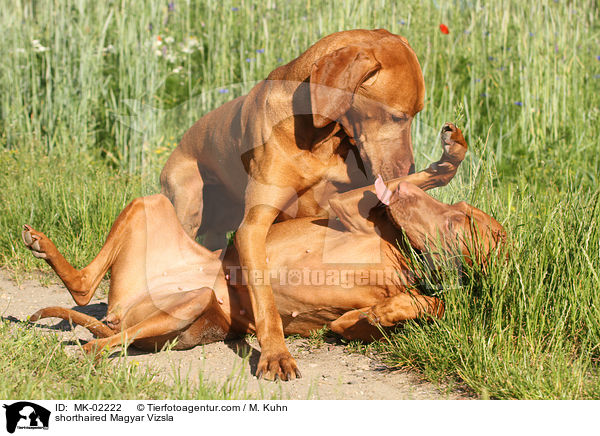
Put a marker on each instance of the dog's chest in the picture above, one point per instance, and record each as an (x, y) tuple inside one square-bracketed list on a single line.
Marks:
[(335, 159)]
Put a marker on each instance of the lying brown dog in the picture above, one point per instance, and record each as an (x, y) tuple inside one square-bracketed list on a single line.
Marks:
[(332, 119), (164, 286)]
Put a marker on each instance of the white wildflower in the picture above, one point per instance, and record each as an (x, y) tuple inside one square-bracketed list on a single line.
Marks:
[(37, 46), (189, 44)]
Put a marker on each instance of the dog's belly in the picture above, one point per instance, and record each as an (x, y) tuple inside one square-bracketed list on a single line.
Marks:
[(303, 312), (319, 273)]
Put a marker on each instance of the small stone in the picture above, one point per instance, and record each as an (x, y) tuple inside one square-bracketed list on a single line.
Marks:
[(294, 314)]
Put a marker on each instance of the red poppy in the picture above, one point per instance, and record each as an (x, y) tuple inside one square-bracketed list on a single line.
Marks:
[(444, 29)]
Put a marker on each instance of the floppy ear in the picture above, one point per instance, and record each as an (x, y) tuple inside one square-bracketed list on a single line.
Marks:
[(353, 209), (335, 78)]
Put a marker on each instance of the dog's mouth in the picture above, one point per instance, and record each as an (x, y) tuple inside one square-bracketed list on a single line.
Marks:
[(389, 159)]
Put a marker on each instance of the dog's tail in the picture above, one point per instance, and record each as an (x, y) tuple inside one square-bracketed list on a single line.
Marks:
[(97, 328)]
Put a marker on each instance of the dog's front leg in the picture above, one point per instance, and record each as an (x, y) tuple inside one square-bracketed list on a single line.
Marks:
[(263, 203), (367, 323)]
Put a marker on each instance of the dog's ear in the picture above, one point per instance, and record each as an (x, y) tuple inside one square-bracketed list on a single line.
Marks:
[(353, 214), (335, 78)]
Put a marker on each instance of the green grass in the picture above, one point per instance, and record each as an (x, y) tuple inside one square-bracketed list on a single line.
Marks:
[(38, 367), (86, 125)]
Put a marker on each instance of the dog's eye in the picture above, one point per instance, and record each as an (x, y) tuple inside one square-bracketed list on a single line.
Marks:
[(398, 118)]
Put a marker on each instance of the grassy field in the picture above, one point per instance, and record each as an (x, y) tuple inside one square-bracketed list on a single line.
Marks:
[(36, 366), (94, 96)]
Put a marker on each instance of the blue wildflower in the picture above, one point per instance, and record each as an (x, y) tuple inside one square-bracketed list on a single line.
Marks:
[(248, 60), (484, 94), (171, 6), (235, 9), (223, 91), (260, 50), (598, 58), (519, 103), (490, 58), (531, 33), (402, 22), (150, 27)]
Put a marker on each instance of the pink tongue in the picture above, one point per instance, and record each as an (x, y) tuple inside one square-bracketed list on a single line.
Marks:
[(383, 193)]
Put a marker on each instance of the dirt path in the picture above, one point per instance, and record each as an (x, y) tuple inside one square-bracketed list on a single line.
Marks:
[(329, 371)]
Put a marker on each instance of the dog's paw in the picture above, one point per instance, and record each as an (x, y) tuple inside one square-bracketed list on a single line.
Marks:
[(453, 143), (378, 316), (35, 241), (273, 366), (94, 349), (89, 348)]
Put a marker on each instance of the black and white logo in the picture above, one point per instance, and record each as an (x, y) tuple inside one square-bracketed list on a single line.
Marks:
[(26, 415)]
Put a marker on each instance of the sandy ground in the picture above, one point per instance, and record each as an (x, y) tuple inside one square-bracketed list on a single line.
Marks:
[(329, 371)]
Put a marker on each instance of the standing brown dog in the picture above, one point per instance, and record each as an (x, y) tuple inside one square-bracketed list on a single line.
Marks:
[(287, 146)]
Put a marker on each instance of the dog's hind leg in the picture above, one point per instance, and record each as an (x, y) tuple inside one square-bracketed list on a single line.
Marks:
[(192, 317), (183, 185), (80, 283), (124, 236), (98, 329), (83, 283), (367, 323)]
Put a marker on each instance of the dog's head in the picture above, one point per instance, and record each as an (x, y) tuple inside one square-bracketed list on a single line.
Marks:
[(373, 90), (431, 225)]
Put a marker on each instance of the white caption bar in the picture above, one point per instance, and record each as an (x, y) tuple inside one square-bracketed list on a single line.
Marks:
[(87, 418)]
